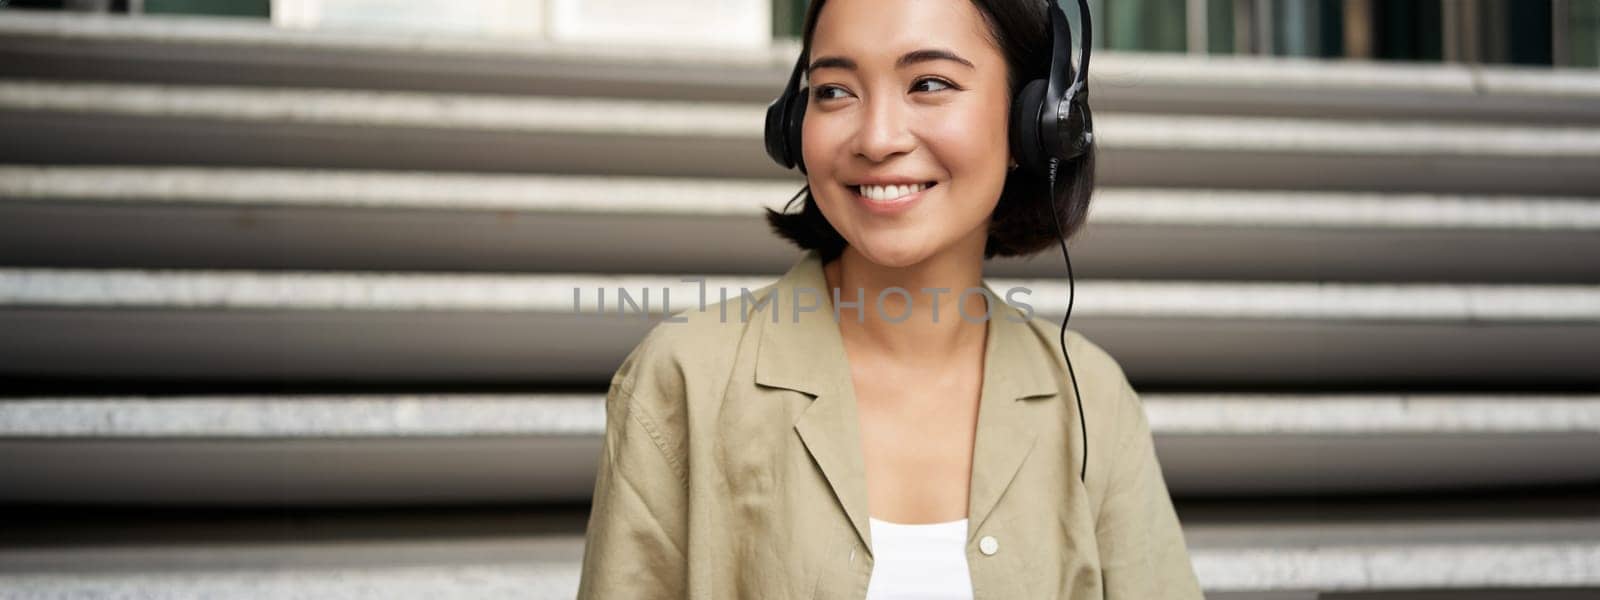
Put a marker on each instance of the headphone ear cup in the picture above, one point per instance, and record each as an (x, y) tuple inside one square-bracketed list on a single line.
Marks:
[(777, 127), (1078, 130), (784, 116), (776, 116), (1027, 148), (797, 119)]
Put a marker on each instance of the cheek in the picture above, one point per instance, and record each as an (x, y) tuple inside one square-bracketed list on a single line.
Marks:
[(971, 144), (975, 133), (820, 143)]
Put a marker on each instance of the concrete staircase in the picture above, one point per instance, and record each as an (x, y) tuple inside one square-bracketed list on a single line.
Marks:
[(290, 313)]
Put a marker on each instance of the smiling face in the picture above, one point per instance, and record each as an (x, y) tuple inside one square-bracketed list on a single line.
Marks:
[(906, 94)]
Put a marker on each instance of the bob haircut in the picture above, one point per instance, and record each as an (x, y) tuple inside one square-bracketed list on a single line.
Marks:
[(1020, 225)]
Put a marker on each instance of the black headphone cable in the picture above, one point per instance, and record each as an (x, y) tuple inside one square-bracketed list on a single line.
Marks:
[(1055, 219)]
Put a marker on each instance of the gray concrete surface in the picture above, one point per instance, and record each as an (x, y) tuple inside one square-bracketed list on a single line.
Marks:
[(440, 221), (376, 449), (230, 51)]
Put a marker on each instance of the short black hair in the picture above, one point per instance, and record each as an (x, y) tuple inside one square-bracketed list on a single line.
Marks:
[(1020, 224)]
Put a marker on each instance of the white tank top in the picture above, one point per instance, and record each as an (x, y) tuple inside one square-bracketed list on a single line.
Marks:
[(925, 561)]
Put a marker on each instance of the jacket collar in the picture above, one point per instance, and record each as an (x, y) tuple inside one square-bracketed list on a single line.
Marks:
[(805, 352)]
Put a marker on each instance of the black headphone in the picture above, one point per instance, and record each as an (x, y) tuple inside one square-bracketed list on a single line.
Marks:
[(1050, 124)]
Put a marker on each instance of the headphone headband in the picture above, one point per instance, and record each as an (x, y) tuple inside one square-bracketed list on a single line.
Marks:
[(1082, 80), (1060, 53)]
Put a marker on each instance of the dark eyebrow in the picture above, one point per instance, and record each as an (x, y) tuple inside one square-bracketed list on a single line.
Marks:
[(910, 58)]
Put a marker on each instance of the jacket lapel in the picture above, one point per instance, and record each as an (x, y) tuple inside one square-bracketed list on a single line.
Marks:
[(831, 433), (1013, 369), (804, 352)]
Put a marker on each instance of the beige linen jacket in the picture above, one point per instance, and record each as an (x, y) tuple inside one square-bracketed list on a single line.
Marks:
[(732, 465)]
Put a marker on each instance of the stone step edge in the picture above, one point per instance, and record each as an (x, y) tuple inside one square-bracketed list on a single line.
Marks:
[(578, 295), (466, 415), (567, 194), (727, 120)]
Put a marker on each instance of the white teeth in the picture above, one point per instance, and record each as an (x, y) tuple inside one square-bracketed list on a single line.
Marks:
[(883, 193)]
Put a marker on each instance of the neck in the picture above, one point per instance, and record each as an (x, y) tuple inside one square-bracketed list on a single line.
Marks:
[(904, 325)]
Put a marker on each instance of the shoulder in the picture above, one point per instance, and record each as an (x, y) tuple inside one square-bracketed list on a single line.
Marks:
[(688, 351), (1099, 374), (1113, 409), (1095, 356), (683, 361)]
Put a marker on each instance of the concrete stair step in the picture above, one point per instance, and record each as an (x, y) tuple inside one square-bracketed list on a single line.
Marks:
[(187, 217), (231, 52), (106, 123), (1419, 547), (1546, 552), (550, 328), (377, 449)]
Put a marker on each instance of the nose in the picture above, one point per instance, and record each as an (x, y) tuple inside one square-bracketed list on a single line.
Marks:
[(883, 133)]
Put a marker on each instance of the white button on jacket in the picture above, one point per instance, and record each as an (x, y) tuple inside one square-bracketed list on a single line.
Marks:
[(988, 545)]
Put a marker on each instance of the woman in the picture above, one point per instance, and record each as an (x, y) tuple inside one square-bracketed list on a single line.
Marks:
[(878, 423)]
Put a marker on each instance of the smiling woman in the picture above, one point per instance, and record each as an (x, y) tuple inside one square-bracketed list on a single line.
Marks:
[(895, 454)]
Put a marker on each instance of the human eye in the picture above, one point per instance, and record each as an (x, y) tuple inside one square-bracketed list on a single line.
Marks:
[(821, 91), (935, 81)]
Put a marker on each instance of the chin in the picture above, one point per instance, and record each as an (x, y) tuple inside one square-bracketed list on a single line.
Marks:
[(894, 251)]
